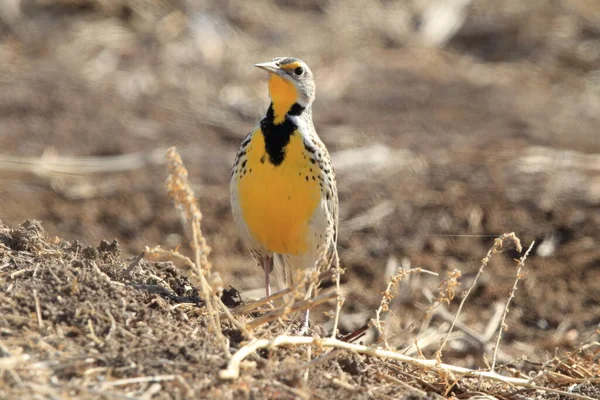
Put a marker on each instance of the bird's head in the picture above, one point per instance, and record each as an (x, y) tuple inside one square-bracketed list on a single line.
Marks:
[(290, 82)]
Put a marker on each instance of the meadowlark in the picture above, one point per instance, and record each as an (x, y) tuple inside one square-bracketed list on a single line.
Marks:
[(283, 191)]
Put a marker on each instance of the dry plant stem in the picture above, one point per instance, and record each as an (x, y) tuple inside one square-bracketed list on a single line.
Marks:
[(133, 264), (141, 379), (231, 318), (113, 325), (582, 346), (246, 308), (434, 390), (498, 243), (156, 254), (387, 297), (494, 322), (308, 359), (520, 265), (38, 309), (480, 340), (341, 384), (209, 297), (179, 190), (560, 392), (298, 306), (233, 368), (398, 382), (567, 379), (92, 335), (447, 316), (100, 394), (299, 394), (312, 363), (339, 302)]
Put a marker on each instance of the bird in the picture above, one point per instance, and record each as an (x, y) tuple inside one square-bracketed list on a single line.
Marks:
[(283, 191)]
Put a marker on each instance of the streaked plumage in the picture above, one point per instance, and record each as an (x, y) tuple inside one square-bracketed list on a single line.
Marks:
[(283, 190)]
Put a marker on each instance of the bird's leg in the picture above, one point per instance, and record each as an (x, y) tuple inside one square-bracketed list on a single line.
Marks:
[(267, 283), (305, 325), (338, 299), (267, 264)]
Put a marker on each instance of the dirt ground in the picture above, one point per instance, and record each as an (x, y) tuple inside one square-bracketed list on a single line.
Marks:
[(438, 149)]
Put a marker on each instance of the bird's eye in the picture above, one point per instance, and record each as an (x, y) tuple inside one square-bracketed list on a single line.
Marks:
[(299, 71)]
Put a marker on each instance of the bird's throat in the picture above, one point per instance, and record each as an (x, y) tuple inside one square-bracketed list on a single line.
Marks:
[(283, 97)]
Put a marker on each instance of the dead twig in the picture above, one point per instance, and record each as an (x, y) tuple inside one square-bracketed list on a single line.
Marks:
[(405, 385), (104, 276), (250, 306), (38, 309), (298, 306), (340, 383), (127, 272), (233, 368), (312, 363), (113, 325), (388, 295), (498, 243), (180, 192), (520, 265), (294, 392), (141, 379), (92, 334)]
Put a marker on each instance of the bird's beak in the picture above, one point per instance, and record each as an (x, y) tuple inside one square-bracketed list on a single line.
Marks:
[(270, 67)]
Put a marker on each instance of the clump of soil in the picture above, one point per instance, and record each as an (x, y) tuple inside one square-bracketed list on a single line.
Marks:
[(70, 312)]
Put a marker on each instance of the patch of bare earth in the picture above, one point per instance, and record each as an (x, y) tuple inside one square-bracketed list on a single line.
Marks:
[(79, 321)]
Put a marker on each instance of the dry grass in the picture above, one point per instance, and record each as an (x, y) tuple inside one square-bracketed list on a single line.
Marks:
[(28, 368), (320, 347), (273, 325)]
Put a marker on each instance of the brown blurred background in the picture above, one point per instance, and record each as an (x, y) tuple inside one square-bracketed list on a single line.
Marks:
[(443, 118)]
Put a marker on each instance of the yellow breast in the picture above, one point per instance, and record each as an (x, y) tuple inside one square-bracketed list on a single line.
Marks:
[(277, 202)]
